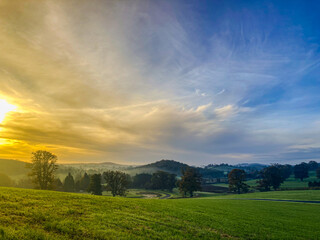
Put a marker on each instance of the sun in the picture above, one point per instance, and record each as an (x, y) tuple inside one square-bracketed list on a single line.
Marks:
[(5, 107)]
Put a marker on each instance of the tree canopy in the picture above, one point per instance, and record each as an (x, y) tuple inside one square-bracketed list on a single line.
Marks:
[(301, 171), (95, 186), (43, 167), (117, 182), (190, 181), (236, 180)]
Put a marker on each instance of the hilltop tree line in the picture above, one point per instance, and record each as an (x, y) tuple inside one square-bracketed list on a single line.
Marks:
[(43, 167)]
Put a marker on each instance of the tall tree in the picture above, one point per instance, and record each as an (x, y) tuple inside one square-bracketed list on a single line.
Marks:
[(313, 165), (117, 182), (163, 180), (95, 186), (85, 182), (43, 167), (318, 172), (236, 181), (58, 185), (142, 180), (271, 177), (286, 170), (69, 185), (301, 171), (190, 181)]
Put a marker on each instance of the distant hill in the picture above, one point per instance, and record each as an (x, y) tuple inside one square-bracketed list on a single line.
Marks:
[(13, 168), (162, 165), (257, 166)]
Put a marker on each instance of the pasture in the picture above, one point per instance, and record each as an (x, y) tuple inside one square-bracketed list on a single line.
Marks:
[(34, 214)]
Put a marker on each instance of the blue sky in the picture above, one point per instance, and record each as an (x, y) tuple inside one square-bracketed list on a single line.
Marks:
[(138, 81)]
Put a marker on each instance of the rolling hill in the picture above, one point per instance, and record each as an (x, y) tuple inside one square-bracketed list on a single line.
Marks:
[(34, 214)]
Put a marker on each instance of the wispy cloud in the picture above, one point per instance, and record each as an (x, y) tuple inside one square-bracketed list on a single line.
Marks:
[(142, 80)]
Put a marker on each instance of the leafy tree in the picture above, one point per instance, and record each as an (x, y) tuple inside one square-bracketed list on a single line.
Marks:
[(318, 172), (171, 182), (313, 165), (236, 180), (95, 186), (69, 185), (301, 171), (286, 171), (85, 182), (271, 177), (43, 167), (163, 180), (117, 182), (190, 181), (142, 180), (5, 180)]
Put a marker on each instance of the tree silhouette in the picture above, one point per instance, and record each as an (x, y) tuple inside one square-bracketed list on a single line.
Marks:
[(271, 177), (95, 186), (85, 182), (236, 181), (301, 171), (318, 172), (58, 185), (190, 181), (69, 185), (43, 167), (117, 182)]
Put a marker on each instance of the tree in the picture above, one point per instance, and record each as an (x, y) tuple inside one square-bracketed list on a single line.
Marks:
[(301, 171), (271, 177), (43, 167), (236, 180), (117, 182), (69, 185), (142, 180), (58, 185), (171, 182), (318, 172), (163, 180), (95, 186), (313, 165), (85, 182), (190, 181), (286, 171)]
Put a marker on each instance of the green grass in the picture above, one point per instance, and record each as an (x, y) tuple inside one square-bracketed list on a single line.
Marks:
[(32, 214), (312, 195)]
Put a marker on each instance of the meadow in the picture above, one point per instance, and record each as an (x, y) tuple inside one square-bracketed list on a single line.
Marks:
[(35, 214)]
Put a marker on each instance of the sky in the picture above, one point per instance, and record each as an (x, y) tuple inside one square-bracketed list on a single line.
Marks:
[(135, 82)]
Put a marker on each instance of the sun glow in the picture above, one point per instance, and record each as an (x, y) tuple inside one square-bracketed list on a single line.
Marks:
[(5, 107)]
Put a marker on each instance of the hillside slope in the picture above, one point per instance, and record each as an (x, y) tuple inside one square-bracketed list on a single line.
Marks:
[(13, 168), (32, 214)]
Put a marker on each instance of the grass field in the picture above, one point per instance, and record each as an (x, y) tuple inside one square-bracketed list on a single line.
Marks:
[(32, 214), (307, 195)]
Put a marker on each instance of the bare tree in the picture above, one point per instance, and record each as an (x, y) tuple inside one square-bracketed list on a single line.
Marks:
[(43, 166)]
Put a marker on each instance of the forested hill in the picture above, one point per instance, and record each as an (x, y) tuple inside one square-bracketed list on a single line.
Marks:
[(13, 168), (164, 165)]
